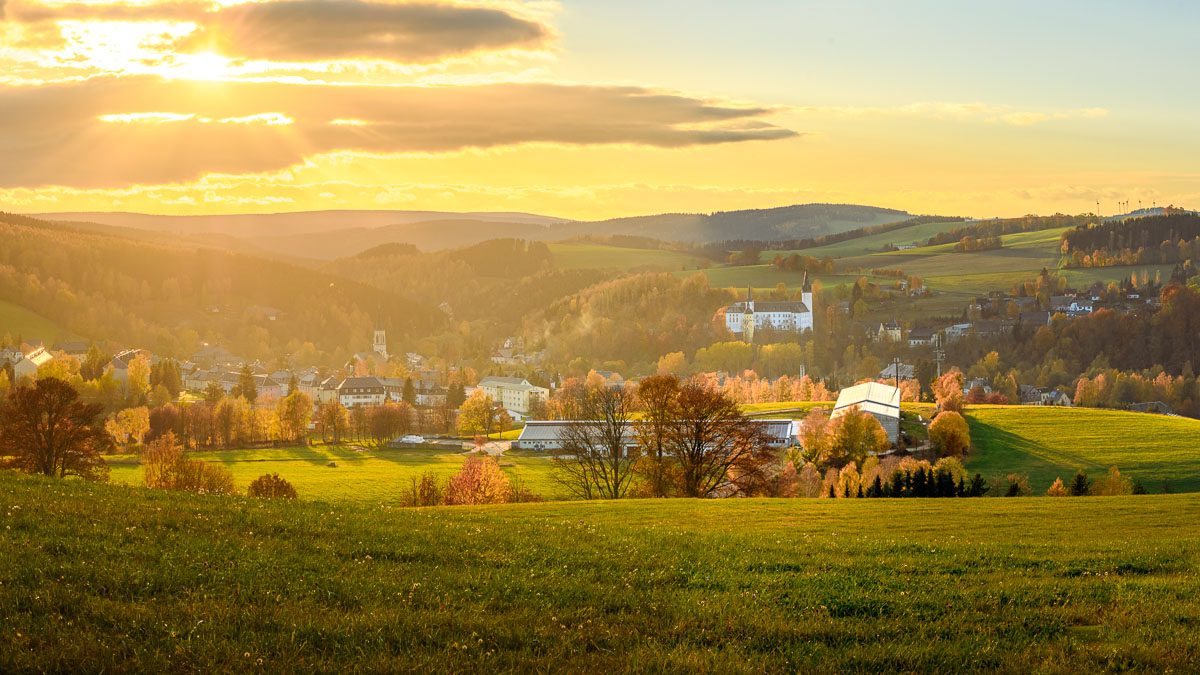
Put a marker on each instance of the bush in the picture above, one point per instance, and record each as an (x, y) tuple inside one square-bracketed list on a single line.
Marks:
[(425, 491), (1018, 485), (271, 486), (166, 468), (480, 481)]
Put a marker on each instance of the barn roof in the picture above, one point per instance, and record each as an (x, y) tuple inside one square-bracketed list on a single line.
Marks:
[(872, 397)]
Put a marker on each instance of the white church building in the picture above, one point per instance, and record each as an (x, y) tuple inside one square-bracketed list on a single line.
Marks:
[(746, 317)]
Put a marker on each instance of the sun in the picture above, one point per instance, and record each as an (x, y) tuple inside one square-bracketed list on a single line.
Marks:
[(202, 66)]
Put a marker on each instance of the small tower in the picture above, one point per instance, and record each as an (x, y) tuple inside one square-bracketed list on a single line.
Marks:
[(748, 317), (806, 298), (380, 342)]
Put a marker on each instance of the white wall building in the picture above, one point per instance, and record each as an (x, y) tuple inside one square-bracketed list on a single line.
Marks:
[(514, 394), (746, 317)]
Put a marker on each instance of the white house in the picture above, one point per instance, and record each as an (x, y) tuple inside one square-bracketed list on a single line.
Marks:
[(514, 394)]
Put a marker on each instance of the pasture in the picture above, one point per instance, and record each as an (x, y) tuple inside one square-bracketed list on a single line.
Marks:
[(1050, 442), (114, 579), (19, 322), (362, 475), (599, 256)]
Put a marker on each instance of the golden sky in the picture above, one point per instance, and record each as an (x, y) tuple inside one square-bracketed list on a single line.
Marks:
[(593, 109)]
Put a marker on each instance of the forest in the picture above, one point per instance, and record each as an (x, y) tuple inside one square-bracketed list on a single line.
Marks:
[(1134, 241)]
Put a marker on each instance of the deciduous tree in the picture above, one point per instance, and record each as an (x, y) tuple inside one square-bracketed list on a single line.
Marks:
[(46, 429)]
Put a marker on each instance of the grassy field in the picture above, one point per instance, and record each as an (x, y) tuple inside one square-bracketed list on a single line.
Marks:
[(23, 323), (100, 578), (1048, 443), (914, 234), (598, 256), (368, 476)]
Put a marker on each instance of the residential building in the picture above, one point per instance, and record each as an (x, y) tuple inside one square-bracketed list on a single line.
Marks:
[(516, 395), (921, 336), (887, 332)]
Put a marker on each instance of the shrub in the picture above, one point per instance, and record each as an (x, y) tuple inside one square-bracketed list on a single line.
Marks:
[(166, 468), (425, 491), (1057, 489), (950, 434), (271, 486), (480, 481), (1018, 485)]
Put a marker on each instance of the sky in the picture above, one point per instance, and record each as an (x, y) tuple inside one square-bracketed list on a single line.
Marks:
[(593, 109)]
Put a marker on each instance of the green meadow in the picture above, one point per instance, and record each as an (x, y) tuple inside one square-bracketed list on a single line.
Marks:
[(913, 234), (23, 323), (599, 256), (97, 578), (1051, 442), (361, 475)]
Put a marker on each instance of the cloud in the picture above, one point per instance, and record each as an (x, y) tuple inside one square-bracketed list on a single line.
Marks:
[(297, 31), (959, 111), (121, 131)]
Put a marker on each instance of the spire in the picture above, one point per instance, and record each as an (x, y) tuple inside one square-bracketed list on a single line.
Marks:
[(807, 287), (749, 298)]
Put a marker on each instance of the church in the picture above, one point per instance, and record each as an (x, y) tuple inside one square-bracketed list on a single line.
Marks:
[(746, 317)]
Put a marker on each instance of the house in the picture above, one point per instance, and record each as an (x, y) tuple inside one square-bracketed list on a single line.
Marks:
[(360, 391), (887, 332), (1151, 407), (982, 382), (429, 393), (746, 317), (880, 400), (266, 386), (309, 384), (516, 395), (905, 372), (328, 390), (918, 337), (1035, 318), (1031, 395), (547, 435), (76, 349), (119, 366), (199, 379), (214, 355), (22, 366)]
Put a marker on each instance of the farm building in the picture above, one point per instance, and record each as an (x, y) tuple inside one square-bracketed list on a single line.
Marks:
[(881, 400), (547, 435)]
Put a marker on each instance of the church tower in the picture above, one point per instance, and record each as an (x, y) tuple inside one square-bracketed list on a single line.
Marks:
[(748, 317), (806, 293), (380, 342)]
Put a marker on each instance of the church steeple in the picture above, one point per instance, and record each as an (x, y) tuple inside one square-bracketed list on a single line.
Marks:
[(807, 287)]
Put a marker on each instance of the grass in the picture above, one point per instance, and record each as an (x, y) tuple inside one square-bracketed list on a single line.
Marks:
[(100, 578), (1049, 443), (370, 476), (26, 324), (599, 256), (914, 234)]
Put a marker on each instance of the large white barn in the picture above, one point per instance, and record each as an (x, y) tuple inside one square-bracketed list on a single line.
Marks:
[(882, 401), (746, 317)]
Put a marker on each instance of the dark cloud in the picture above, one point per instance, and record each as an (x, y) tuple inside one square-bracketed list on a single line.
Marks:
[(313, 30), (57, 132)]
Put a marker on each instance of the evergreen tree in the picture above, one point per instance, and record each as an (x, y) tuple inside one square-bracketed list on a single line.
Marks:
[(1138, 488), (1080, 485), (410, 392), (860, 491), (213, 393), (876, 489), (919, 483), (93, 364), (832, 492), (293, 384), (1166, 486), (945, 484), (896, 488), (978, 487), (456, 396)]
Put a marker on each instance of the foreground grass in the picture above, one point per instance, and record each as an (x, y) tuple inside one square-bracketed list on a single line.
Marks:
[(117, 579), (1048, 443), (366, 476)]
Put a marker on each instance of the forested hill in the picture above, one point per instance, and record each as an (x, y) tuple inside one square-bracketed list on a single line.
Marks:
[(800, 221), (170, 299)]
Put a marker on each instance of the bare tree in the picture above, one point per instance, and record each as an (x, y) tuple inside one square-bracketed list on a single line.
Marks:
[(46, 429), (718, 450), (597, 444)]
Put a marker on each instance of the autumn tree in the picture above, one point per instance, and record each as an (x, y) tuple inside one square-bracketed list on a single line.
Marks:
[(46, 429), (592, 459), (950, 434), (947, 391), (716, 447), (856, 435), (480, 481), (657, 397), (293, 414), (388, 421), (333, 422), (129, 427), (139, 378), (477, 413)]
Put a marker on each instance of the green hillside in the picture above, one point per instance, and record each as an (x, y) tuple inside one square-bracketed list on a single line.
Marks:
[(1050, 442), (599, 256), (99, 578), (19, 322), (915, 234), (366, 476)]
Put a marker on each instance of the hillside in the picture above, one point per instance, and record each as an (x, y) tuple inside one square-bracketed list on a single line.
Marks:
[(170, 299), (95, 577), (19, 322), (1049, 443)]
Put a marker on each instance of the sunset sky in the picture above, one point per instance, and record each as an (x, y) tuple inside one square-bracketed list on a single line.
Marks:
[(597, 108)]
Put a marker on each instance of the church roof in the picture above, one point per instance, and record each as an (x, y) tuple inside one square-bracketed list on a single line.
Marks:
[(794, 306)]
